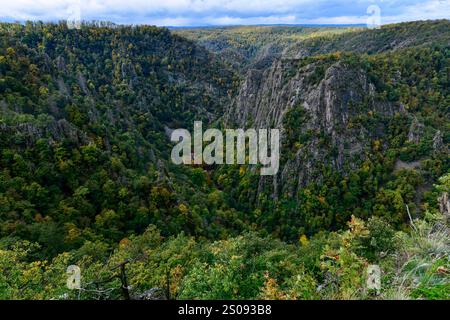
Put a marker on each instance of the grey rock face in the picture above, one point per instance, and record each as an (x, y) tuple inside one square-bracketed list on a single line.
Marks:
[(444, 205), (152, 294), (333, 102), (415, 131), (437, 141), (56, 130)]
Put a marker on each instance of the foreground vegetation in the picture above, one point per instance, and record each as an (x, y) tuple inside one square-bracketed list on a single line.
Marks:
[(414, 264)]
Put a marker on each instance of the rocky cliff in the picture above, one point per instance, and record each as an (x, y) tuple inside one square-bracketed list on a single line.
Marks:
[(329, 106), (327, 132)]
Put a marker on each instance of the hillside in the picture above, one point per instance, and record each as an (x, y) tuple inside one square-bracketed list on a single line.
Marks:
[(83, 120), (387, 38), (248, 46)]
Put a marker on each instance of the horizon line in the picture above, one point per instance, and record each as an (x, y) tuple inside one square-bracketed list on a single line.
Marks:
[(205, 26)]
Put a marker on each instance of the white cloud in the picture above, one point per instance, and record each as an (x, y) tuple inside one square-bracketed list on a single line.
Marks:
[(223, 12), (427, 10)]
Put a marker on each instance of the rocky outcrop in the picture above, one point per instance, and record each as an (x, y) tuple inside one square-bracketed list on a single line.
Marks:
[(152, 294), (444, 205), (334, 98), (438, 141), (55, 130), (415, 131)]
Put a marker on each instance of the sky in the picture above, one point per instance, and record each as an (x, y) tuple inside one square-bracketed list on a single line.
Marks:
[(225, 12)]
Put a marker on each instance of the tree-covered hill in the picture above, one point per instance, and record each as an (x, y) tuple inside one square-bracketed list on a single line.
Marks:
[(349, 124), (83, 122), (249, 46), (390, 37)]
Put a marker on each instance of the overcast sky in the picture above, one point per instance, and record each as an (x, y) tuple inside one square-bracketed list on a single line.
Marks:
[(223, 12)]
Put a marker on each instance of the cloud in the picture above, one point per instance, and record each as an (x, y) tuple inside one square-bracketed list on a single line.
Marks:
[(224, 12)]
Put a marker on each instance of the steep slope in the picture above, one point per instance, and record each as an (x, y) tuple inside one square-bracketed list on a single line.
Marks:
[(83, 115), (386, 38), (316, 116), (247, 47), (346, 117)]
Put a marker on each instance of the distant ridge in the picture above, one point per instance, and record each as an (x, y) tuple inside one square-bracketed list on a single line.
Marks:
[(360, 25)]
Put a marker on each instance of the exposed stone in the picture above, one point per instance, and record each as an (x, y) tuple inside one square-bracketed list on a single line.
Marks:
[(400, 165), (444, 205), (438, 141), (152, 294), (332, 103), (415, 131), (56, 130)]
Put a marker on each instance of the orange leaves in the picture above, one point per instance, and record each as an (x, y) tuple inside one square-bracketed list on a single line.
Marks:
[(271, 290)]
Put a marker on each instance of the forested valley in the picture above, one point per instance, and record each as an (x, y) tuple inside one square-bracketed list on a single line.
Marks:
[(86, 177)]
